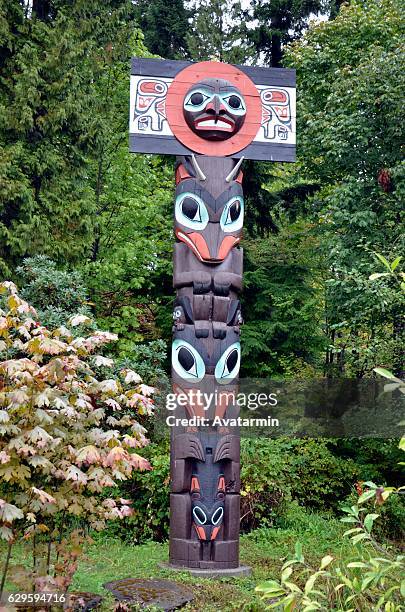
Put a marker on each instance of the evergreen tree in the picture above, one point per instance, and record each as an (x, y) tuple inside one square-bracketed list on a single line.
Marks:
[(277, 22), (351, 80), (164, 24), (54, 61), (218, 32)]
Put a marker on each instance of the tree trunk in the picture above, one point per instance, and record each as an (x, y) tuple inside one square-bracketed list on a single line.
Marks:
[(275, 45), (42, 9)]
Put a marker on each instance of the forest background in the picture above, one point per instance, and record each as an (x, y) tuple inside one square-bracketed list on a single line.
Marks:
[(86, 227)]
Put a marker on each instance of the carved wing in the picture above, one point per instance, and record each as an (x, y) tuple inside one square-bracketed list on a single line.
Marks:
[(188, 446)]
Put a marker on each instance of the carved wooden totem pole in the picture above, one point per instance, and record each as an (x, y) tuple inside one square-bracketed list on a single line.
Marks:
[(211, 116)]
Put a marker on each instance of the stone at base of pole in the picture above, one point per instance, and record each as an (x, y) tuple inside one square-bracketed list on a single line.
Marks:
[(235, 572)]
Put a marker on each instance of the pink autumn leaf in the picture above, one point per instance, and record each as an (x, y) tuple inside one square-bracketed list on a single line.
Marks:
[(6, 534), (73, 473), (112, 404), (18, 398), (39, 436), (131, 376), (115, 513), (4, 457), (44, 497), (139, 463), (112, 421), (126, 511), (46, 346), (135, 399), (88, 454), (12, 366), (79, 320), (115, 455), (108, 386), (9, 512), (4, 416), (146, 390), (131, 442), (99, 360), (109, 503)]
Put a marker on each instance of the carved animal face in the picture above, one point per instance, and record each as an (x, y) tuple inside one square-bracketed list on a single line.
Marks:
[(189, 366), (210, 226), (214, 109), (207, 511)]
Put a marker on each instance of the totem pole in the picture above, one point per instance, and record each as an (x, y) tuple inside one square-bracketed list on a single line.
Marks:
[(211, 116)]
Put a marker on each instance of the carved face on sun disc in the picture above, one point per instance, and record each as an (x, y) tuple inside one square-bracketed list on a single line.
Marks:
[(214, 109)]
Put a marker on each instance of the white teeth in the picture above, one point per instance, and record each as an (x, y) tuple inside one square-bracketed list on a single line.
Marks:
[(214, 124)]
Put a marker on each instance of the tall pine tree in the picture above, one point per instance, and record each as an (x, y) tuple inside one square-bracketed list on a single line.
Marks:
[(277, 22), (218, 32), (54, 63), (164, 24)]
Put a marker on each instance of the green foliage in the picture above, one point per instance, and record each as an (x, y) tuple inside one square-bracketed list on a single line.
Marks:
[(274, 471), (56, 294), (367, 582), (376, 459), (149, 360), (218, 32), (372, 579), (150, 495), (284, 304), (392, 513), (164, 24), (56, 89), (350, 75), (129, 276), (57, 451), (276, 23)]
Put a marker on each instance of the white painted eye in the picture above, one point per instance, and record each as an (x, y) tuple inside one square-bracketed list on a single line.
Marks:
[(235, 103), (197, 99), (228, 365), (187, 362), (232, 215), (191, 211), (177, 313), (217, 516), (199, 515)]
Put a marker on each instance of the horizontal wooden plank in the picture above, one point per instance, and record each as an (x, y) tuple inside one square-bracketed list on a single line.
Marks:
[(269, 152), (168, 145), (165, 145), (157, 67), (279, 77)]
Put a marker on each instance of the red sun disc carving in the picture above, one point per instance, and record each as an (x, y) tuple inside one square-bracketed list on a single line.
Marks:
[(174, 108)]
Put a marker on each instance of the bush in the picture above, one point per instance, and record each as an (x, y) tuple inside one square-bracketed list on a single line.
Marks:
[(56, 294), (65, 433), (150, 500), (371, 579), (392, 512), (274, 471), (377, 459)]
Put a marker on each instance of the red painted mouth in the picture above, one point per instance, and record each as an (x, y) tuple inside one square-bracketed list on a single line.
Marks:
[(198, 245), (213, 123)]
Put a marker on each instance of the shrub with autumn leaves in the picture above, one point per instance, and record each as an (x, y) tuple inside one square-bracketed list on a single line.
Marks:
[(66, 433)]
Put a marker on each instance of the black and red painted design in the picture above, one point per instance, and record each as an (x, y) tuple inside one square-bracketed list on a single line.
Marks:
[(210, 115), (207, 316), (261, 126)]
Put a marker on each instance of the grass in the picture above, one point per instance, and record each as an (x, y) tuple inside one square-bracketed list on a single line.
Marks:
[(264, 550)]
